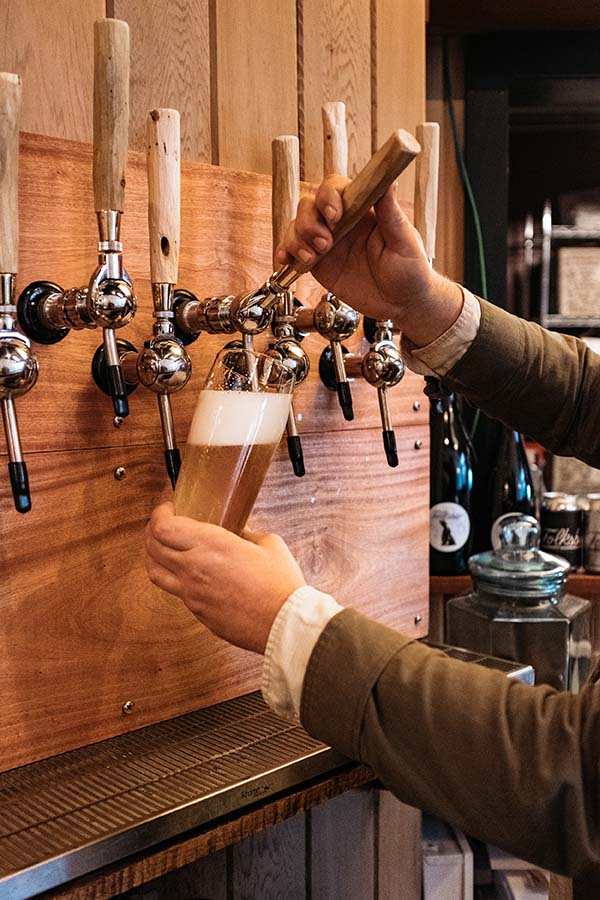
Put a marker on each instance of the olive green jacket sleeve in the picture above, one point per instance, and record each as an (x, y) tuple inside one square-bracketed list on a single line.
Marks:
[(515, 765), (544, 384)]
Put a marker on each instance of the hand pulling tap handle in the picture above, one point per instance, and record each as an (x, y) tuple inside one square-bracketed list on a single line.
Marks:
[(164, 225), (111, 127), (358, 197), (285, 158), (18, 366)]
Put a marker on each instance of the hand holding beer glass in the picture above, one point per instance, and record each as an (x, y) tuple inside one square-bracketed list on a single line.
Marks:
[(238, 423)]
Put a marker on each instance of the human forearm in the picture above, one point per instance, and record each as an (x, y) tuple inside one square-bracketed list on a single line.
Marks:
[(535, 381), (503, 761)]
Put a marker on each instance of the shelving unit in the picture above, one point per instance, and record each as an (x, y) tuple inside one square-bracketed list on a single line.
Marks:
[(553, 235)]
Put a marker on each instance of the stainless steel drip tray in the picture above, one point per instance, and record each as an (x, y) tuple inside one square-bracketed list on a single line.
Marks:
[(72, 814)]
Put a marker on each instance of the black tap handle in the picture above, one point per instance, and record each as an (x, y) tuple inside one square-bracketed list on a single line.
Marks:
[(345, 397), (173, 461), (115, 384), (19, 482), (296, 454), (389, 443)]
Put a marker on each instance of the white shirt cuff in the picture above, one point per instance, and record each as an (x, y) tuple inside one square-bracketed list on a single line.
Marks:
[(292, 639), (442, 354)]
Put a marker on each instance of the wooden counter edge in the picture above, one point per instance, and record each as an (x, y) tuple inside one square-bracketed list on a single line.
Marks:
[(150, 864)]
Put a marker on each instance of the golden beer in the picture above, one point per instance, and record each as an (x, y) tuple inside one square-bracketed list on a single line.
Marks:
[(231, 443)]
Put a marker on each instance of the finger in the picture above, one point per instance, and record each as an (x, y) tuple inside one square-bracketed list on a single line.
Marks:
[(398, 232), (163, 578), (328, 198), (165, 556), (308, 236), (177, 532)]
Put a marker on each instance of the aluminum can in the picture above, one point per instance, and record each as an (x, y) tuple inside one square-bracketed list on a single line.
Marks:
[(561, 526), (591, 534)]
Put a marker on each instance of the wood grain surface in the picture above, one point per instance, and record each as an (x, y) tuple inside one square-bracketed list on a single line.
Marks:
[(342, 849), (270, 865), (10, 106), (50, 44), (398, 74), (255, 79), (83, 631), (399, 849), (336, 65), (170, 67)]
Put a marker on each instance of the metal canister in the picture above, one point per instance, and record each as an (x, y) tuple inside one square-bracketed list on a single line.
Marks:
[(561, 523), (591, 534)]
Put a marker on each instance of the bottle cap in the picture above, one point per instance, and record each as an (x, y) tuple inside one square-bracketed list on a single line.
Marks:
[(519, 569)]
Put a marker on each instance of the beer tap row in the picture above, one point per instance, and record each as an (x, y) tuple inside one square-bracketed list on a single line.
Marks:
[(46, 312)]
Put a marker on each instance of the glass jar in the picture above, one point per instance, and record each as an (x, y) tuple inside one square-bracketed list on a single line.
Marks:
[(519, 609)]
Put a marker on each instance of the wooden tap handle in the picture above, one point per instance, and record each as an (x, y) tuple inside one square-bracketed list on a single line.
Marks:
[(162, 145), (372, 182), (426, 184), (10, 104), (335, 139), (111, 112), (285, 155)]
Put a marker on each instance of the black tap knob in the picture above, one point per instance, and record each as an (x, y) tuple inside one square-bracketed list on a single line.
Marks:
[(19, 482)]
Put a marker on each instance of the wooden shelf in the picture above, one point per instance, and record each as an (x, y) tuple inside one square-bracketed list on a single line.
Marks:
[(583, 584)]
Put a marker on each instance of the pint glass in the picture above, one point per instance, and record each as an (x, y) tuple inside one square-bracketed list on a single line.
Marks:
[(238, 422)]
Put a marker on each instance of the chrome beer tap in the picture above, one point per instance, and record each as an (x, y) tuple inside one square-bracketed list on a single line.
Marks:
[(331, 318), (47, 312), (285, 195), (252, 312), (163, 366), (18, 365)]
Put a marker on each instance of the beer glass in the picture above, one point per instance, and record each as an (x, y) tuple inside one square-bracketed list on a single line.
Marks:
[(238, 423)]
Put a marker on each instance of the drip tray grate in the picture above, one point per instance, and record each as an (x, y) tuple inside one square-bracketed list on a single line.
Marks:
[(69, 815)]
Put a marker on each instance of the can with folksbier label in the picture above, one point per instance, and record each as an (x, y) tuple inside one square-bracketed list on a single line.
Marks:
[(591, 534), (561, 526)]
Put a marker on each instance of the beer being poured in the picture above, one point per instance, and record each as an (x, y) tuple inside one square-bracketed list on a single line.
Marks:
[(238, 422)]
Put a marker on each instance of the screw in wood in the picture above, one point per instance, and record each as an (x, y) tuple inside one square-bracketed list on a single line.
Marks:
[(120, 473), (128, 707), (418, 444), (416, 406), (418, 620)]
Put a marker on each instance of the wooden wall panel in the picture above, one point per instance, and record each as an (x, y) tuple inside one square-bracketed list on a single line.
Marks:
[(342, 848), (255, 79), (335, 59), (270, 865), (449, 257), (50, 44), (79, 617), (399, 76), (399, 849), (170, 66), (205, 879)]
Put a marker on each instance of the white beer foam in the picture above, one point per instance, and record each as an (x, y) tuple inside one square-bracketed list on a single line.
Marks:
[(234, 418)]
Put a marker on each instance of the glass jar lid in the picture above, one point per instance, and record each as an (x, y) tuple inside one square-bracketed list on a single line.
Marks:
[(518, 568)]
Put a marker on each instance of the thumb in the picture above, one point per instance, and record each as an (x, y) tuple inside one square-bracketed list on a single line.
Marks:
[(395, 226)]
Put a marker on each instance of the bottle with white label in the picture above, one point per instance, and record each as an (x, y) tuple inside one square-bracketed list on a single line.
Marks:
[(451, 484)]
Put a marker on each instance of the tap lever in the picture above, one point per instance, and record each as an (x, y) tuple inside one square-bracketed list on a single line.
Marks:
[(10, 104), (389, 443), (294, 445), (111, 113), (173, 464), (426, 185), (345, 398), (285, 159), (19, 482), (164, 188), (359, 195)]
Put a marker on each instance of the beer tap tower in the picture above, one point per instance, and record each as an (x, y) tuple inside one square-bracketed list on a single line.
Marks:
[(331, 318), (163, 366), (285, 195), (18, 365), (252, 312), (47, 312)]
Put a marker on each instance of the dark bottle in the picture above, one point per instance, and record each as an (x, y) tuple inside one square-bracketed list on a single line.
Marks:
[(510, 485), (451, 483)]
